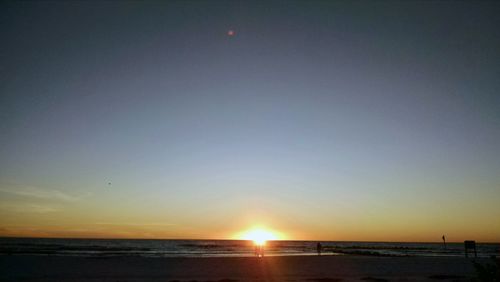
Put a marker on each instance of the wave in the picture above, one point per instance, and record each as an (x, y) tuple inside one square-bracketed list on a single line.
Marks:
[(202, 248)]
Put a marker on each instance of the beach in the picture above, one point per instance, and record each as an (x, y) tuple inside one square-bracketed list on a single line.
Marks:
[(278, 268)]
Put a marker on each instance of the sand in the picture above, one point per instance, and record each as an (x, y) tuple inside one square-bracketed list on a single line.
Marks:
[(232, 269)]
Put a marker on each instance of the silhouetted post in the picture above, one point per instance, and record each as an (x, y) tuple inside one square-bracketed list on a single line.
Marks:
[(444, 242), (318, 248)]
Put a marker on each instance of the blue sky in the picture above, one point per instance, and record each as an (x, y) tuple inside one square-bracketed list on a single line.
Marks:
[(344, 121)]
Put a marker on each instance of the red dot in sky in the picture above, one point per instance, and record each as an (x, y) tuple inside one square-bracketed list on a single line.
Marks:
[(231, 32)]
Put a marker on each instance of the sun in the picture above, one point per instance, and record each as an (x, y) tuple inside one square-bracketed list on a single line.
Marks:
[(259, 236)]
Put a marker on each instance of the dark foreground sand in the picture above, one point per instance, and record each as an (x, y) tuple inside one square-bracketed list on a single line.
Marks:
[(299, 268)]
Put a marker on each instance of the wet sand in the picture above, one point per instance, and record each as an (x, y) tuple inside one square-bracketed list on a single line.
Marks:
[(232, 269)]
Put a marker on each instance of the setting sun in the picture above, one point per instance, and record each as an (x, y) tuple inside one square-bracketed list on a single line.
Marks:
[(259, 236)]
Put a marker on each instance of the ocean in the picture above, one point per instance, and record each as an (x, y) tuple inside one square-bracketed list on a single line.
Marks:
[(212, 248)]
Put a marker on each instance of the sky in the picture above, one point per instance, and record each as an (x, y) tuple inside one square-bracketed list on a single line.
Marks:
[(320, 120)]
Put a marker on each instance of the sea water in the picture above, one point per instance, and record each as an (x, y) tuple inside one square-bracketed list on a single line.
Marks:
[(211, 248)]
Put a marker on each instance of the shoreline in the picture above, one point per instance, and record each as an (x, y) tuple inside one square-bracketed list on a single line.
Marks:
[(311, 254), (270, 268), (228, 248)]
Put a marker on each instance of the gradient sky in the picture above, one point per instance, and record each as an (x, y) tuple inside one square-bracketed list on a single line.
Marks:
[(321, 120)]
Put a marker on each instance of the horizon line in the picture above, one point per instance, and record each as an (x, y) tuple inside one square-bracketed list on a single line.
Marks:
[(205, 239)]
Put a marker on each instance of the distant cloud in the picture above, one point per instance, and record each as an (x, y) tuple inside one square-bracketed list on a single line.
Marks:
[(150, 224), (40, 193), (27, 208)]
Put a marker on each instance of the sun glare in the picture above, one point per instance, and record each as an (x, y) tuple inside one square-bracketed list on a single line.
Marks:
[(259, 236)]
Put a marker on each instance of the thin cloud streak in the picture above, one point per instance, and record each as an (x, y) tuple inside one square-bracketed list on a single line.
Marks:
[(27, 208), (40, 193), (152, 224)]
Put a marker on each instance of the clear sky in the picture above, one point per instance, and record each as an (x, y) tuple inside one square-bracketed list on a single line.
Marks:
[(318, 119)]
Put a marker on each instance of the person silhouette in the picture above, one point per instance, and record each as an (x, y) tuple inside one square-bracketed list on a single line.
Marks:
[(259, 250), (318, 248)]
